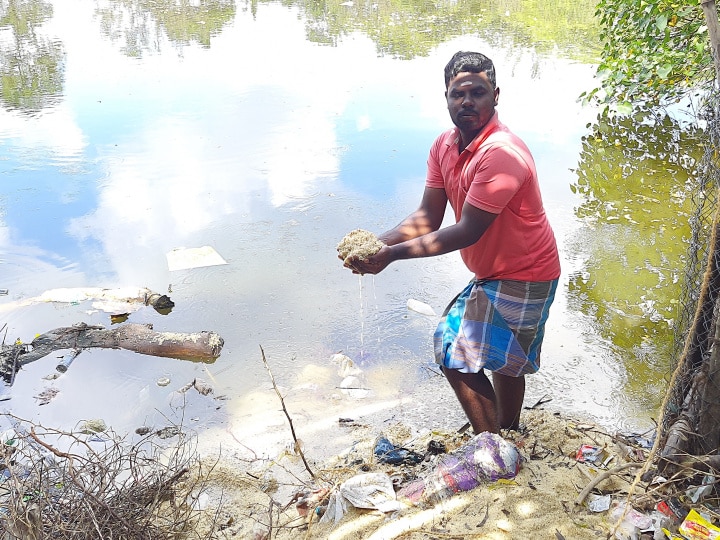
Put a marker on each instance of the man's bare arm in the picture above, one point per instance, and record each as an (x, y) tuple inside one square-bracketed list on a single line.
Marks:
[(472, 225), (426, 219)]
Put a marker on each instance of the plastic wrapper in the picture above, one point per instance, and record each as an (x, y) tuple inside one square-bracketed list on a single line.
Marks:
[(696, 527)]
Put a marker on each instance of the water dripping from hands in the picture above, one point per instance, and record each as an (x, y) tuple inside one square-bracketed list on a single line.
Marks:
[(362, 319)]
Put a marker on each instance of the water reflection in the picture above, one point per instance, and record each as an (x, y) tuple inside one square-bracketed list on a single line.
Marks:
[(636, 177), (140, 24), (400, 29), (31, 62), (177, 127)]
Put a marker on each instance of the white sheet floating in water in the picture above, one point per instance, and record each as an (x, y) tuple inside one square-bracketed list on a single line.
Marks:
[(420, 307), (184, 258)]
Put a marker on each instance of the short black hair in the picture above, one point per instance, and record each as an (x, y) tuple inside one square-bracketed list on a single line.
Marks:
[(473, 62)]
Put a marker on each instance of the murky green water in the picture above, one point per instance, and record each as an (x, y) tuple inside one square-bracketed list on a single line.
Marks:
[(269, 130)]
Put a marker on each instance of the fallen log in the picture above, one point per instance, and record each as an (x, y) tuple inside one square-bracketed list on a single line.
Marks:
[(140, 338)]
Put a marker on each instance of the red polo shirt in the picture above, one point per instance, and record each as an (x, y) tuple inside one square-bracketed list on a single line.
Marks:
[(496, 173)]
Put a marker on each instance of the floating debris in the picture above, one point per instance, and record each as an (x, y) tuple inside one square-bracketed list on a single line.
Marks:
[(187, 258), (97, 425), (46, 396)]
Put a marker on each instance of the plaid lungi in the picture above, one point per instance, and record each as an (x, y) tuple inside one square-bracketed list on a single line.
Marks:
[(496, 325)]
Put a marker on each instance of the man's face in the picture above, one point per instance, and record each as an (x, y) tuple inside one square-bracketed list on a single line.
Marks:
[(471, 101)]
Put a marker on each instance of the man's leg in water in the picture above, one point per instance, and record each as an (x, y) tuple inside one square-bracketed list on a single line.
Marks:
[(477, 397), (509, 394)]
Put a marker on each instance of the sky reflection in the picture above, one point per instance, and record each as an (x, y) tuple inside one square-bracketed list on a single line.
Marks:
[(269, 148)]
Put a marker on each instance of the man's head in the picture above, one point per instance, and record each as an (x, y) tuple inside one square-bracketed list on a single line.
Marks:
[(471, 93), (472, 62)]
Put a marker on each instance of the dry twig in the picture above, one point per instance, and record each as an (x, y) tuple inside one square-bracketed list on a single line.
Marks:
[(298, 446)]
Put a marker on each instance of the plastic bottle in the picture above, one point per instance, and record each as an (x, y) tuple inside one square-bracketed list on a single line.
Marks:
[(487, 457)]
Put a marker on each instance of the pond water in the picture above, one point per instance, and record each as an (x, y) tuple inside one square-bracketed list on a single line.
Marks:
[(267, 131)]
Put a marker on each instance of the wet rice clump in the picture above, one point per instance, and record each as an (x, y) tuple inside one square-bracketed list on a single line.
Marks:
[(359, 244)]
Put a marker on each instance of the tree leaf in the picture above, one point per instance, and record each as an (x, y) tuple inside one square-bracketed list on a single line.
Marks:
[(664, 71), (624, 108), (661, 22)]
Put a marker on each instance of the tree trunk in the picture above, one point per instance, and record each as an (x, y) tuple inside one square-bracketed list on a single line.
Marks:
[(711, 19)]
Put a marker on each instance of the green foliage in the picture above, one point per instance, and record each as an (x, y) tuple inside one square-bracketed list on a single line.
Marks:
[(655, 52)]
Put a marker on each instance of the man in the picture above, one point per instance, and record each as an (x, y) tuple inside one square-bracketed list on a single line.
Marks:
[(488, 176)]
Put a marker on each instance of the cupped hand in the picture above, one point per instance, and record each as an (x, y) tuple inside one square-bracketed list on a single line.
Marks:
[(371, 265)]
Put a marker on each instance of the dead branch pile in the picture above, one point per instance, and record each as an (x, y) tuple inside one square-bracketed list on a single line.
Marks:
[(63, 485)]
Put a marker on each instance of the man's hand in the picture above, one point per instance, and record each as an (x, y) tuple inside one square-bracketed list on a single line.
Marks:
[(373, 264)]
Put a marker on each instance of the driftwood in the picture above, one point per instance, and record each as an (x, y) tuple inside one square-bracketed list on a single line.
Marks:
[(141, 338)]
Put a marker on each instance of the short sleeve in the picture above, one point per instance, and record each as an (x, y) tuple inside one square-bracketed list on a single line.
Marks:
[(434, 177), (497, 176)]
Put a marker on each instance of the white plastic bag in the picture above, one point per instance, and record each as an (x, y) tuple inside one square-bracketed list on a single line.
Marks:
[(369, 490)]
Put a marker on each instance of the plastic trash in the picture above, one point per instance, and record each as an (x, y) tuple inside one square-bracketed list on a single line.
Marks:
[(346, 367), (310, 500), (96, 425), (387, 452), (698, 493), (369, 490), (186, 258), (420, 307), (9, 438), (487, 457), (673, 509), (592, 454), (67, 359), (697, 527), (633, 522), (599, 503), (659, 522), (352, 386)]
